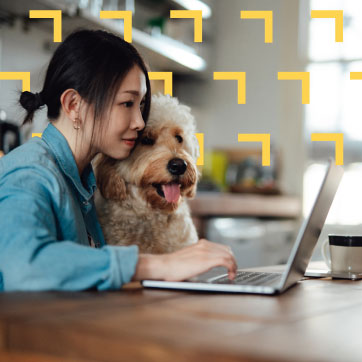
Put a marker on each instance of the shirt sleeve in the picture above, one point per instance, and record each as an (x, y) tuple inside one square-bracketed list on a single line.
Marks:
[(31, 257)]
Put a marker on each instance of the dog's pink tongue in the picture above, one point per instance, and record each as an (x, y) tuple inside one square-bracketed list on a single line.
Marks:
[(171, 191)]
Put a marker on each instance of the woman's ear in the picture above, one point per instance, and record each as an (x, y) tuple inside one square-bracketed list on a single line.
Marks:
[(71, 101), (110, 184)]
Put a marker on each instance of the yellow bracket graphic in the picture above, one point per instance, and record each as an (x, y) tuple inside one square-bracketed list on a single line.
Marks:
[(23, 76), (355, 75), (127, 18), (200, 139), (190, 14), (240, 77), (304, 77), (267, 15), (264, 138), (36, 135), (335, 137), (330, 14), (166, 77), (56, 15)]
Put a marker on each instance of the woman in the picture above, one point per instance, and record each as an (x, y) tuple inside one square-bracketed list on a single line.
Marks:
[(97, 93)]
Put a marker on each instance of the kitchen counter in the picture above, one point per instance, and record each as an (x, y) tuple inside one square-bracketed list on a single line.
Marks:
[(213, 204)]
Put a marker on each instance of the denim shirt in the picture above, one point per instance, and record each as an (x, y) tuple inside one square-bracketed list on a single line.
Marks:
[(46, 213)]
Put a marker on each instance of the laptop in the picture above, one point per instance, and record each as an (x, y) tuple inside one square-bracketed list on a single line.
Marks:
[(273, 283)]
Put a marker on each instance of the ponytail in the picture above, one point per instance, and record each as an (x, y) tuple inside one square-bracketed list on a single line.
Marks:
[(31, 102)]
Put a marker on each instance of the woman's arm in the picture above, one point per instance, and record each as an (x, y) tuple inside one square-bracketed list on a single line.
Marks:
[(31, 255), (185, 263)]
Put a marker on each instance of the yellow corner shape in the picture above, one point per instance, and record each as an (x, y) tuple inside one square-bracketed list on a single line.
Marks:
[(166, 77), (264, 138), (333, 137), (200, 139), (240, 77), (331, 14), (127, 19), (304, 77), (190, 14), (267, 15), (23, 76), (56, 15)]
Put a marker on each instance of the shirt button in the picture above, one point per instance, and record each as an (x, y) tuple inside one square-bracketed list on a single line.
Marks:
[(85, 202)]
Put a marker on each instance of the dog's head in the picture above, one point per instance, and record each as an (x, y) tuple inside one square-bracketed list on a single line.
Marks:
[(163, 162)]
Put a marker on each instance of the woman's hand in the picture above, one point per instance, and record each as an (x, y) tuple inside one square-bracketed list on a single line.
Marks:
[(186, 263)]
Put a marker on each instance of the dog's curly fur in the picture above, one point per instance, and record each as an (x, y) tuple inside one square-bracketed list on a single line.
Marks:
[(131, 205)]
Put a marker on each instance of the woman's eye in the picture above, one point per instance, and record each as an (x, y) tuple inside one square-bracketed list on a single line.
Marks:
[(147, 141), (128, 104), (179, 138)]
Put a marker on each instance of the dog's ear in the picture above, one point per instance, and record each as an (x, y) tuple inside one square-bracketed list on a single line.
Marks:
[(191, 192), (110, 184)]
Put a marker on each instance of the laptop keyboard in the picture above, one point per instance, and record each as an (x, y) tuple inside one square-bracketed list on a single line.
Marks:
[(250, 278)]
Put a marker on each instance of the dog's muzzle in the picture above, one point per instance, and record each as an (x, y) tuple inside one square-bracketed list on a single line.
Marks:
[(176, 166)]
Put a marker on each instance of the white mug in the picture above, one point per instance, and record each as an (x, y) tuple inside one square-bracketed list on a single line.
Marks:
[(345, 253)]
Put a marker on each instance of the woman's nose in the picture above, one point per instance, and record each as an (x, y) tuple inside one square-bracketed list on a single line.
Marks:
[(138, 122)]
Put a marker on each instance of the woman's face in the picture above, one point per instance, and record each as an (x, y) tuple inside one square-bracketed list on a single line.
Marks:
[(125, 117)]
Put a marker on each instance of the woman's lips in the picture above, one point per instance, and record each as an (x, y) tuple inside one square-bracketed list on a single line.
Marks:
[(129, 143)]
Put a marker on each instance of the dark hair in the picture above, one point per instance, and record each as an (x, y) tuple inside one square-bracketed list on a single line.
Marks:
[(94, 63)]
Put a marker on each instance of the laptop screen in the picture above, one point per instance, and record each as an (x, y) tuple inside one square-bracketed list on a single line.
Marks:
[(312, 227)]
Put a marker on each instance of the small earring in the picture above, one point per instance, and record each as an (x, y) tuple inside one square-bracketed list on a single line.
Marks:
[(76, 125)]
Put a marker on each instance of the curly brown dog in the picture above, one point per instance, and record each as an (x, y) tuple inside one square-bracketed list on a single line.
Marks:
[(142, 199)]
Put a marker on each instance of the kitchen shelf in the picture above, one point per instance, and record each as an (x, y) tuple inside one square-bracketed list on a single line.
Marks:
[(161, 52), (180, 57), (208, 204)]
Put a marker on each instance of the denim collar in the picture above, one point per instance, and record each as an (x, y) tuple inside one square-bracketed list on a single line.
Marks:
[(63, 154)]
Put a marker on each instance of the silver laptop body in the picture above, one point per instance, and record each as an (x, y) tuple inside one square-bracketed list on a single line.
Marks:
[(274, 283)]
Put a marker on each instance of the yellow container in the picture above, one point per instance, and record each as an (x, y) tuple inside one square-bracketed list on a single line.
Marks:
[(215, 166)]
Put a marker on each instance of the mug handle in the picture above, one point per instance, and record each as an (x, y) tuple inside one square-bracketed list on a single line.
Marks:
[(326, 257)]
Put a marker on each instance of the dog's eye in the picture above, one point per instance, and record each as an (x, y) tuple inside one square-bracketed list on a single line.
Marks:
[(179, 138), (147, 141)]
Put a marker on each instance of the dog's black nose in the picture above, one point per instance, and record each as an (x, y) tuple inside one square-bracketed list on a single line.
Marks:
[(177, 166)]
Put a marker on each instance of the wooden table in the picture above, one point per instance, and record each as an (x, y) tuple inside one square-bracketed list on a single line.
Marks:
[(317, 320)]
